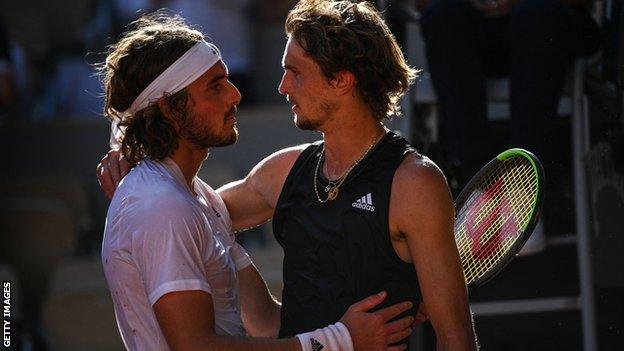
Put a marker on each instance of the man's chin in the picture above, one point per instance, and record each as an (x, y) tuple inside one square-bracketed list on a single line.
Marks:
[(227, 141), (223, 141), (304, 124)]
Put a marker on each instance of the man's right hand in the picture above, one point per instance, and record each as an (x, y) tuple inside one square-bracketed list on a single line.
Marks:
[(371, 330), (111, 169)]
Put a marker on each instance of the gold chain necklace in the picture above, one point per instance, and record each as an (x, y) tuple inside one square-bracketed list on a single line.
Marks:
[(333, 187)]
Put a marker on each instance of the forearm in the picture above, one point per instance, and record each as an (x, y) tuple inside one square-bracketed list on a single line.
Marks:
[(456, 333), (260, 311), (463, 340), (232, 343), (262, 320), (333, 337), (186, 319), (451, 317), (454, 345)]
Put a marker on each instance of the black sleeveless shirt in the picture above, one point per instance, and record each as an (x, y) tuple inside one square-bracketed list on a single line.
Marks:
[(339, 252)]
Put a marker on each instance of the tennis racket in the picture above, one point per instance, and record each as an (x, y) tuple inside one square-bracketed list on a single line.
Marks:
[(496, 213)]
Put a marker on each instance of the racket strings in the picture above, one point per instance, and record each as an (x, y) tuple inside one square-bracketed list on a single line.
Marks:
[(495, 233), (489, 242), (494, 216)]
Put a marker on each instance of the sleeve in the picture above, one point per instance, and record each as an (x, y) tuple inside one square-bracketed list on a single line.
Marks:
[(169, 252), (237, 252), (240, 256)]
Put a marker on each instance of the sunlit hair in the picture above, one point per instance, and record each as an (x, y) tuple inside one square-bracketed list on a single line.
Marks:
[(151, 44), (352, 36)]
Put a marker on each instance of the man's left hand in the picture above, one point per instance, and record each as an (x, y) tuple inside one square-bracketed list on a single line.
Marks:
[(111, 169)]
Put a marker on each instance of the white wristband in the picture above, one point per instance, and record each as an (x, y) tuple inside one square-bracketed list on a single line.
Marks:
[(335, 337)]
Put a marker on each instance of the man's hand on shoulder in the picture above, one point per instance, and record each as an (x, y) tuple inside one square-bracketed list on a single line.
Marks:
[(111, 169)]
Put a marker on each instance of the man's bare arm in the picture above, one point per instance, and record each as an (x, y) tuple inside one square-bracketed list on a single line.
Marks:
[(186, 319), (260, 310), (422, 211), (251, 201)]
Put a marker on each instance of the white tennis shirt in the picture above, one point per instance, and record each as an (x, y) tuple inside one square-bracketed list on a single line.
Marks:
[(159, 238)]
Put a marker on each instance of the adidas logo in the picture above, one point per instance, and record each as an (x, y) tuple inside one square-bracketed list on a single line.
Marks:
[(316, 346), (365, 203)]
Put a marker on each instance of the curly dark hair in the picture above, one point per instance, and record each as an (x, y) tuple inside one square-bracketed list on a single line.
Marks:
[(151, 44), (352, 36)]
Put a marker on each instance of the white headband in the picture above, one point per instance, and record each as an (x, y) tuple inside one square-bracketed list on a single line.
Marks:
[(184, 71)]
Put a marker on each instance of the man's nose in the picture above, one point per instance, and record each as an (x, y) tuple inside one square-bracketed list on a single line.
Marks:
[(283, 87), (236, 95)]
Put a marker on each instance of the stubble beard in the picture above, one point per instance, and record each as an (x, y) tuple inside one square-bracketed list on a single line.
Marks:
[(324, 110), (203, 137), (306, 124)]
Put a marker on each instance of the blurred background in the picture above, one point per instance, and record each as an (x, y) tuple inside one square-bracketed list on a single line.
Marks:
[(566, 293)]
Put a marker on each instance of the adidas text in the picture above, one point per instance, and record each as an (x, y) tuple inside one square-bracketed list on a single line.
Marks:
[(363, 206), (365, 203)]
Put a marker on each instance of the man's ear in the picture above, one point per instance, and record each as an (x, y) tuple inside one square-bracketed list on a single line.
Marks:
[(165, 108), (343, 82)]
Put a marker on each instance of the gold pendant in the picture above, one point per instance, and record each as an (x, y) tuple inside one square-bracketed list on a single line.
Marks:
[(333, 193)]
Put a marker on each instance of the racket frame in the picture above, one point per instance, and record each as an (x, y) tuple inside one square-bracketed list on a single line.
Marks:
[(530, 225)]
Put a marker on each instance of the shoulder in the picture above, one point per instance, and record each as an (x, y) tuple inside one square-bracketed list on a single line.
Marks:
[(215, 200), (141, 223), (173, 221), (421, 202), (166, 210), (146, 179), (419, 172), (154, 199), (420, 186)]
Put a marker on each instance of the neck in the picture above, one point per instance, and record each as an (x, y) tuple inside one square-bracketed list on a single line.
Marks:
[(189, 158), (350, 136)]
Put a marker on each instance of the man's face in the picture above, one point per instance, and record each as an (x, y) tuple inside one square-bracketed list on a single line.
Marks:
[(306, 88), (211, 107)]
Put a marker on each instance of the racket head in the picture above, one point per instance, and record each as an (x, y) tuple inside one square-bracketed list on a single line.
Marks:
[(497, 212)]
